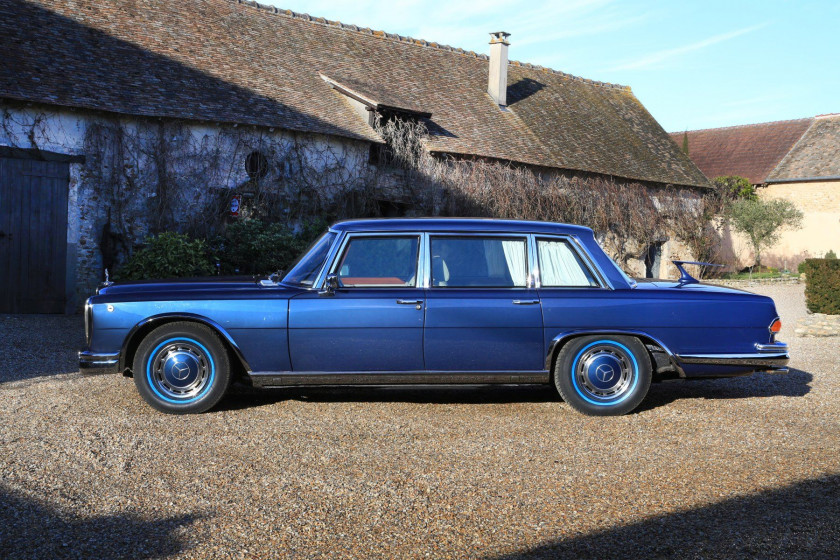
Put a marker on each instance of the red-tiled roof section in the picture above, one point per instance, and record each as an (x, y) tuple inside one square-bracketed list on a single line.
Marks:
[(816, 155), (751, 151), (230, 61)]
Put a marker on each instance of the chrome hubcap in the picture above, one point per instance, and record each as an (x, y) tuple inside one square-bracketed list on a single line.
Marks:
[(180, 370), (604, 373)]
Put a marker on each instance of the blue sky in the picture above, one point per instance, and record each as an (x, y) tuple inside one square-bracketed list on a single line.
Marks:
[(692, 64)]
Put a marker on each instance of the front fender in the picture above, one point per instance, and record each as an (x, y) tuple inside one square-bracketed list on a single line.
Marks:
[(138, 331)]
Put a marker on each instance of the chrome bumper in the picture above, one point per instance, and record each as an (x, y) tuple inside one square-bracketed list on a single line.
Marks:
[(773, 358), (92, 362)]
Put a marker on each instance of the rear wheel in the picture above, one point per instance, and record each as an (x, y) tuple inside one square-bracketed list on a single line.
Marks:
[(182, 368), (603, 375)]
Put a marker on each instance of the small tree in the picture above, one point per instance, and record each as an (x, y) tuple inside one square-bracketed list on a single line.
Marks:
[(685, 143), (734, 187), (763, 221)]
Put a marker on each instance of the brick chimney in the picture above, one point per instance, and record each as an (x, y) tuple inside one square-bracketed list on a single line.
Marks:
[(497, 82)]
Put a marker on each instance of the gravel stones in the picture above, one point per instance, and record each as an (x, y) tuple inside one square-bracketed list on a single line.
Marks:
[(818, 324), (745, 467)]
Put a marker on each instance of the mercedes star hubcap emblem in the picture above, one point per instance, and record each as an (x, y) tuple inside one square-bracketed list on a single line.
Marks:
[(604, 373), (180, 370)]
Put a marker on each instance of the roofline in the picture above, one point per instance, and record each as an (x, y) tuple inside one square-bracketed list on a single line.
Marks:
[(412, 41), (442, 223), (743, 125), (804, 179)]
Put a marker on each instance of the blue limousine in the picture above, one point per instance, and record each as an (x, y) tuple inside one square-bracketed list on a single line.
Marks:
[(432, 301)]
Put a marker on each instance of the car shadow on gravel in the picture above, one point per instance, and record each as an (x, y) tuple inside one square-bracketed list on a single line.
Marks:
[(245, 397), (798, 521), (795, 383), (34, 529)]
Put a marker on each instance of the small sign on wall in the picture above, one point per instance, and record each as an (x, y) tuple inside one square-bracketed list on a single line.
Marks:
[(235, 204)]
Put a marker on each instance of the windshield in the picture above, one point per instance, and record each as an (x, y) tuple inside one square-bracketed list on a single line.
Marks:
[(306, 269)]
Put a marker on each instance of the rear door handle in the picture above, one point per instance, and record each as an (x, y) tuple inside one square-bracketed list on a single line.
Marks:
[(526, 301), (410, 301)]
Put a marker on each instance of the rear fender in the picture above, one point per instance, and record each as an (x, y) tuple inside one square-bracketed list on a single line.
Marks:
[(560, 340)]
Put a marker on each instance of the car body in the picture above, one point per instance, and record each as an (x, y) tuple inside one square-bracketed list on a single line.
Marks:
[(422, 301)]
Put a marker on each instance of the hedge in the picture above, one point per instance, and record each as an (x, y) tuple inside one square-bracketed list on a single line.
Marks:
[(245, 248), (822, 289)]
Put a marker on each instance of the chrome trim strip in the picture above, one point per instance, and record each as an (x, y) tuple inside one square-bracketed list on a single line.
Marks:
[(101, 361), (322, 275), (533, 270), (562, 337), (293, 378), (758, 360), (772, 347)]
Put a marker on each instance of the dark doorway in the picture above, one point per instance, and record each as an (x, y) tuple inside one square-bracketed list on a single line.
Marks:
[(653, 259), (33, 235)]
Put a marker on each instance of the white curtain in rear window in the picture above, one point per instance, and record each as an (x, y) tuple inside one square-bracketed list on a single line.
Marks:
[(559, 266), (515, 258)]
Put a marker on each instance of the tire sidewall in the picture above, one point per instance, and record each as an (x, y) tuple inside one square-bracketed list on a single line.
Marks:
[(208, 341), (572, 394)]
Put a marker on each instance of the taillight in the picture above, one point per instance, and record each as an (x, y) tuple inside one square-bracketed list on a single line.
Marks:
[(776, 326)]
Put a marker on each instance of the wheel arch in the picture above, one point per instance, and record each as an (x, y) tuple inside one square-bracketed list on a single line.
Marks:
[(559, 341), (139, 331)]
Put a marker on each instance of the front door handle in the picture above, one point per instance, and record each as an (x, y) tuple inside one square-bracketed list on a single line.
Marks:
[(526, 301), (410, 301)]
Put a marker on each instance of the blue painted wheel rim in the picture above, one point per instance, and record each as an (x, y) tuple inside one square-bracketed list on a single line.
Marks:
[(180, 370), (605, 373)]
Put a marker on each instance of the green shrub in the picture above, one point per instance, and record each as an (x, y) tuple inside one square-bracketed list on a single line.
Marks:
[(168, 255), (831, 255), (822, 289), (802, 267), (255, 247)]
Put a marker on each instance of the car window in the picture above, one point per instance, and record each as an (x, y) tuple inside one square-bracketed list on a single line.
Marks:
[(485, 262), (378, 262), (304, 272), (561, 266)]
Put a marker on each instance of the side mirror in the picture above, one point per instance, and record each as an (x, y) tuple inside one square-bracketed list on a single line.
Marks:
[(330, 286)]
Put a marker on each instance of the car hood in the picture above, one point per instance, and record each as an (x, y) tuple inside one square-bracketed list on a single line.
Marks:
[(186, 288)]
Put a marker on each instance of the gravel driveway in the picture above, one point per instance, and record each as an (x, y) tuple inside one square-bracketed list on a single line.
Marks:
[(745, 467)]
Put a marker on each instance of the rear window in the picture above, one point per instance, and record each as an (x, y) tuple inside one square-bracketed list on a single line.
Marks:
[(479, 262), (561, 266)]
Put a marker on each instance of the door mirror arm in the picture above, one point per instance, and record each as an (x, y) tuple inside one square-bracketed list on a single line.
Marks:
[(330, 286)]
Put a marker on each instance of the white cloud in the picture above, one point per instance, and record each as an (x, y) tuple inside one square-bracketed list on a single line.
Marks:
[(657, 58), (466, 24)]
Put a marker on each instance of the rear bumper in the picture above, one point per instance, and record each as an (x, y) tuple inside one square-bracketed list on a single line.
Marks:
[(773, 357), (92, 362)]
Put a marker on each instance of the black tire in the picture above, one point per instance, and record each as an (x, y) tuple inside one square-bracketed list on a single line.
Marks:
[(603, 375), (182, 368)]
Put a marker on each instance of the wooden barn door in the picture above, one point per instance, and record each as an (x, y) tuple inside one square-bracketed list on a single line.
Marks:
[(33, 235)]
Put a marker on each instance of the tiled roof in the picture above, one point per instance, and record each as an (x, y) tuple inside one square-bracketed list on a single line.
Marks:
[(751, 151), (815, 155), (231, 61)]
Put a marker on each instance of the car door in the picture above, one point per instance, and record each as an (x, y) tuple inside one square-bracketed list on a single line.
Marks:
[(571, 294), (482, 313), (374, 320)]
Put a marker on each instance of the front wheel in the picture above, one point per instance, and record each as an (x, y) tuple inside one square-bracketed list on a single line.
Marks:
[(603, 375), (182, 368)]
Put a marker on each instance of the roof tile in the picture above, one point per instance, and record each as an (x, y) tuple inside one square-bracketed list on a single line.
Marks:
[(231, 61), (751, 151)]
